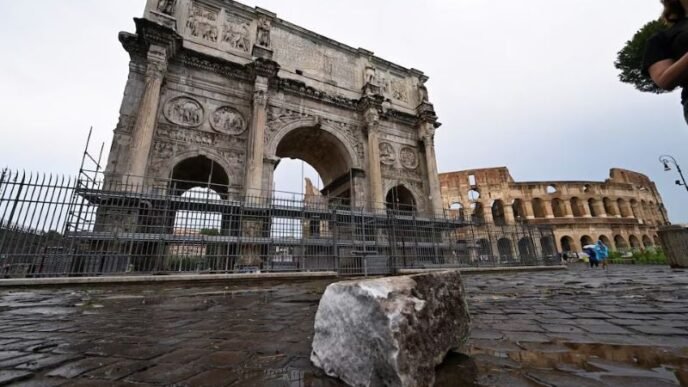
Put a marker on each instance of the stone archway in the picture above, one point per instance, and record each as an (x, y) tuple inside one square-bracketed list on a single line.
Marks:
[(401, 199), (567, 244), (586, 240), (498, 213), (198, 171), (328, 151)]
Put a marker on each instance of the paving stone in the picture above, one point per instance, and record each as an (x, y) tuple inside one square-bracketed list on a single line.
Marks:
[(9, 376), (525, 337), (211, 378), (74, 369), (45, 362), (182, 356), (632, 316), (118, 370), (562, 328), (489, 334), (557, 378), (634, 381), (657, 330), (164, 374), (604, 328), (41, 382), (11, 363), (224, 359)]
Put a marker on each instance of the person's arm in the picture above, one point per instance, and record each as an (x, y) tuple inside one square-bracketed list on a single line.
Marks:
[(667, 73)]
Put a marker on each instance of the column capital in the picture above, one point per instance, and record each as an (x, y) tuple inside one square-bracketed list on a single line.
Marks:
[(156, 66), (368, 102), (426, 114), (265, 68), (154, 34)]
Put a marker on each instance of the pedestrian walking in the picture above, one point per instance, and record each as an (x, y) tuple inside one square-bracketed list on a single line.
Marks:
[(591, 251), (602, 252)]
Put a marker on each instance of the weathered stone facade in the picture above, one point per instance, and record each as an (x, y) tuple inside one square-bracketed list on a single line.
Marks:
[(219, 92), (625, 211)]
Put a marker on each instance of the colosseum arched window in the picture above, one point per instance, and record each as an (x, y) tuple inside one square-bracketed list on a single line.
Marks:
[(498, 216), (620, 243), (635, 243), (567, 244), (610, 207), (539, 209), (586, 240), (577, 207), (558, 208)]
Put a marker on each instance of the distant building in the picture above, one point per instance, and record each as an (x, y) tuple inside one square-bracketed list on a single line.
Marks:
[(625, 211)]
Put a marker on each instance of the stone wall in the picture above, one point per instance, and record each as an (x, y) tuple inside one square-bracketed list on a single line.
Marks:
[(624, 211)]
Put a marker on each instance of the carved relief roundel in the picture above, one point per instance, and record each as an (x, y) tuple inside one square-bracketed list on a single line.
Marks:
[(227, 120), (387, 154), (409, 158), (184, 111)]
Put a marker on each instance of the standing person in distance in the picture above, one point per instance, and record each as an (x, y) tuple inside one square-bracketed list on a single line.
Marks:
[(602, 252), (666, 53)]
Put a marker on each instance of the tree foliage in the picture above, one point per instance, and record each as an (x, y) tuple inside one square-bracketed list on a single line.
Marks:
[(630, 59)]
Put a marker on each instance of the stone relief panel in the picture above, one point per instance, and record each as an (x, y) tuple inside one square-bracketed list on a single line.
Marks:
[(387, 154), (227, 120), (184, 111), (391, 85), (408, 157), (236, 33), (294, 52), (202, 22), (199, 138)]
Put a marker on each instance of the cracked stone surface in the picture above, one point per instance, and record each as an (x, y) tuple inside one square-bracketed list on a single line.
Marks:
[(630, 329), (390, 331)]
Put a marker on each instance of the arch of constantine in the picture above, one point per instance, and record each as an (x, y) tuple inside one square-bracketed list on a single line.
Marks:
[(625, 211), (219, 92)]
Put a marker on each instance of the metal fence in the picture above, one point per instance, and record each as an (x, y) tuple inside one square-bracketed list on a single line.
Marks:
[(59, 226)]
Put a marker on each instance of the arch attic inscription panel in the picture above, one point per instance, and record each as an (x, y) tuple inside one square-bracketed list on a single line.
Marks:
[(242, 88)]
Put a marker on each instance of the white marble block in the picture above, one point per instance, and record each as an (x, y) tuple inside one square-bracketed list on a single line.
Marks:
[(390, 331)]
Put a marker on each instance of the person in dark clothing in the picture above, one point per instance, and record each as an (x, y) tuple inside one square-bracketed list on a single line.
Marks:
[(666, 59), (592, 256)]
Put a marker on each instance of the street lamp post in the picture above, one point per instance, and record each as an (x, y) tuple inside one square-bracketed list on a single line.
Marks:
[(667, 160)]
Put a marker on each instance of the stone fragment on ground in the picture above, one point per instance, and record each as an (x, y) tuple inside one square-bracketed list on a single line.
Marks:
[(390, 331)]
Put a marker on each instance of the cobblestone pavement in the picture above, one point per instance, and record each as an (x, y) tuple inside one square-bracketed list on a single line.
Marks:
[(627, 326)]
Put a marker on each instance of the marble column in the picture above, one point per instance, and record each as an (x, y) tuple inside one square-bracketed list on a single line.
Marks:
[(428, 136), (256, 140), (376, 196), (144, 127)]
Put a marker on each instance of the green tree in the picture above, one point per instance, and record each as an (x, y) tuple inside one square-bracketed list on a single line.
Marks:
[(630, 59)]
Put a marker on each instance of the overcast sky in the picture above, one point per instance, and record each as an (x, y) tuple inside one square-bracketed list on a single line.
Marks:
[(526, 84)]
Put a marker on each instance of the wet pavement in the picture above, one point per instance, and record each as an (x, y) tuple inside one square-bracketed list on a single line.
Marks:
[(627, 327)]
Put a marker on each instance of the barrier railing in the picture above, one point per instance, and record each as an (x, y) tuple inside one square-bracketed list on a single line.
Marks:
[(59, 226)]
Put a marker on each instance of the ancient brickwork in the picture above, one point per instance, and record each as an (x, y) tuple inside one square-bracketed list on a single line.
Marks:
[(625, 211), (242, 88)]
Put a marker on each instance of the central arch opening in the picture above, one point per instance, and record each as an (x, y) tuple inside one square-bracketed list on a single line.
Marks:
[(314, 172), (325, 155)]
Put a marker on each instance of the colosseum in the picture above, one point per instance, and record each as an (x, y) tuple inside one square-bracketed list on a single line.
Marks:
[(625, 211)]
